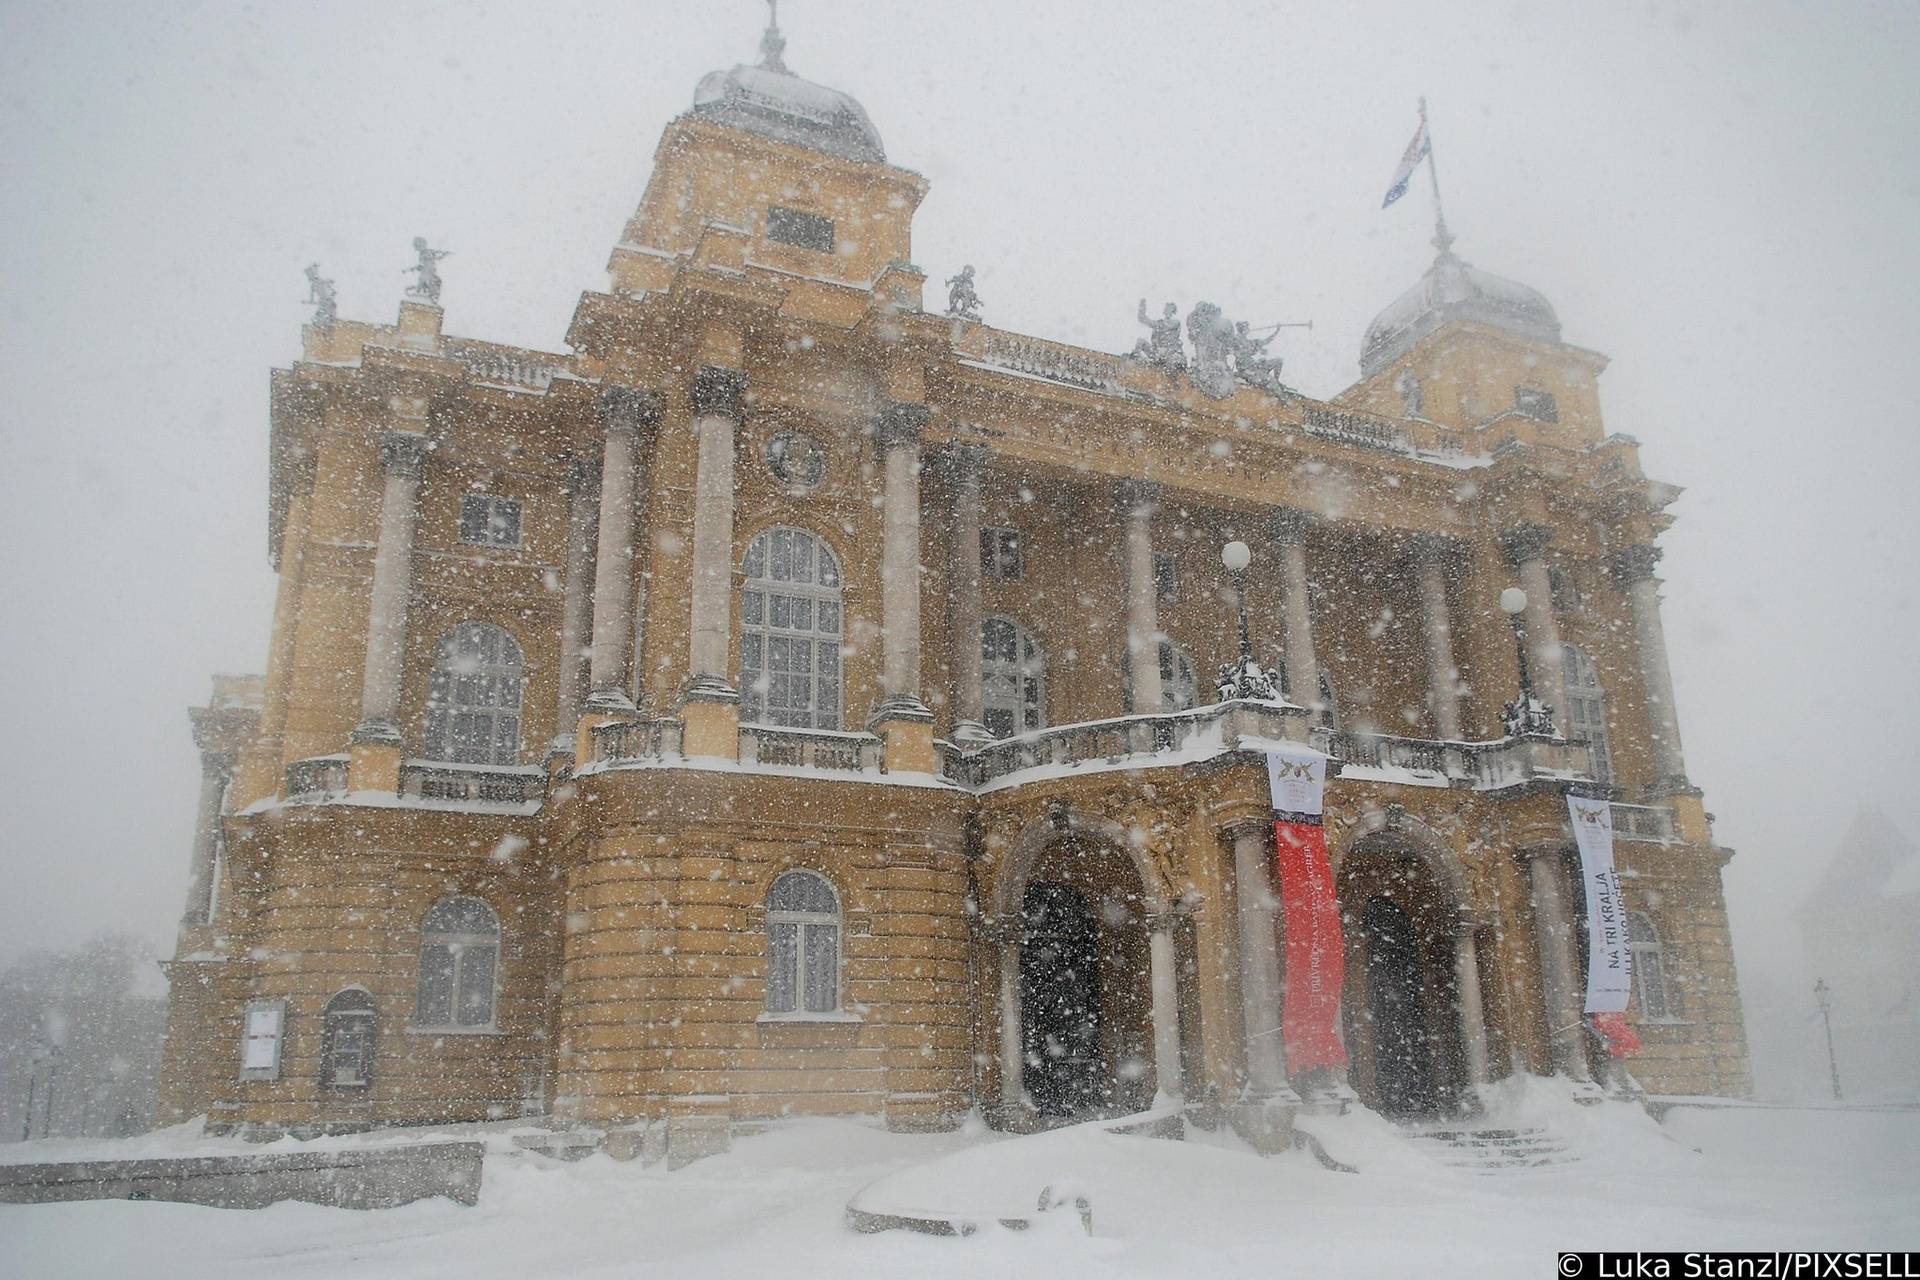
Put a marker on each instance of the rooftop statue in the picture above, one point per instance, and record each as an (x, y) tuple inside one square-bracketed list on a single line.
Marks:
[(320, 296), (1250, 359), (1212, 339), (962, 301), (1163, 347), (427, 286)]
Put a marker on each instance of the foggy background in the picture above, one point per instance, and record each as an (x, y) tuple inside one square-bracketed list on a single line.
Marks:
[(1722, 198)]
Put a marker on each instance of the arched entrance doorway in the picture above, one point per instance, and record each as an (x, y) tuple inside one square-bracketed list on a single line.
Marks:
[(1403, 1006), (1086, 1004)]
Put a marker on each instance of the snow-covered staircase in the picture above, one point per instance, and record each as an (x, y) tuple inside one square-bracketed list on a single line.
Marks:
[(1493, 1149)]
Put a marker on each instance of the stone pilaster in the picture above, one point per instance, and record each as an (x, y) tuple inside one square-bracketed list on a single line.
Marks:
[(1164, 985), (902, 718), (964, 465), (1257, 903), (1633, 570), (1525, 547), (1473, 1018), (576, 617), (1289, 530), (711, 704), (1137, 500), (626, 413), (1560, 987), (376, 745), (1430, 557), (216, 772)]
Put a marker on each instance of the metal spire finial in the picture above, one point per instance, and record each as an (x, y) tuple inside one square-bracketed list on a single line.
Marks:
[(773, 44), (1442, 238)]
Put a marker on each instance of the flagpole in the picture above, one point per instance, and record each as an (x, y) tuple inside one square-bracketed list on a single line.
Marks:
[(1442, 238)]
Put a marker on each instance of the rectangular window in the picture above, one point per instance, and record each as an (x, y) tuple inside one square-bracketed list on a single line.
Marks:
[(487, 521), (1166, 578), (1536, 403), (262, 1030), (801, 230), (1002, 555)]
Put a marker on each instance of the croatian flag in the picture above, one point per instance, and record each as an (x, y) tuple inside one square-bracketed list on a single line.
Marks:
[(1416, 152)]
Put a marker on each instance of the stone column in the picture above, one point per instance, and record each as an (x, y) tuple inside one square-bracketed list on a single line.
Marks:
[(625, 412), (1443, 676), (1526, 551), (1164, 981), (902, 719), (964, 464), (1559, 983), (1473, 1018), (1303, 667), (1633, 569), (1013, 1065), (711, 705), (576, 616), (1137, 500), (1254, 895), (403, 456), (216, 771)]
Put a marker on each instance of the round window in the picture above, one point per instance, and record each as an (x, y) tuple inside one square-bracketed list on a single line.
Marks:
[(796, 459)]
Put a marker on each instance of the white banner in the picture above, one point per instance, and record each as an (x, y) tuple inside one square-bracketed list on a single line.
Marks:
[(1609, 960), (1297, 777)]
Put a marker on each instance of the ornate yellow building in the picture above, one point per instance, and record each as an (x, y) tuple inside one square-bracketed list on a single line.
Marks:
[(795, 700)]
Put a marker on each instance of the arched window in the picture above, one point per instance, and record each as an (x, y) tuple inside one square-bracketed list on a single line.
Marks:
[(790, 627), (803, 944), (1179, 689), (1586, 710), (473, 703), (1013, 678), (1649, 969), (459, 958), (346, 1040)]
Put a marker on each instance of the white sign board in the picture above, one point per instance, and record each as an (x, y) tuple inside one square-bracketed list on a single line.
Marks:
[(1297, 777), (1609, 959), (260, 1040)]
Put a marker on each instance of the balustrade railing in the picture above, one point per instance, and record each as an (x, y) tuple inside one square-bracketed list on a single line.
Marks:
[(1353, 428), (810, 748), (316, 776), (636, 740)]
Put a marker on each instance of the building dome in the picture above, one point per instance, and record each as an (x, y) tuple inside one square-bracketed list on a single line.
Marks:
[(771, 101), (1453, 290)]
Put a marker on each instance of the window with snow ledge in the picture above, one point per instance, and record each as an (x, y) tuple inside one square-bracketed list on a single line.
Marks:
[(473, 700), (346, 1040), (1002, 555), (1535, 403), (803, 947), (1586, 714), (459, 967), (801, 230), (1013, 678), (1650, 988), (790, 632), (489, 521)]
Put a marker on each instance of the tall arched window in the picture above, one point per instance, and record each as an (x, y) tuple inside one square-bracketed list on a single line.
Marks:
[(346, 1040), (473, 703), (1649, 969), (803, 944), (1013, 678), (459, 960), (790, 628), (1586, 711)]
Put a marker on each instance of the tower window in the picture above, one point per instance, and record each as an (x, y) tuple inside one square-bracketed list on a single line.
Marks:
[(1536, 403), (1002, 555), (801, 230), (487, 521)]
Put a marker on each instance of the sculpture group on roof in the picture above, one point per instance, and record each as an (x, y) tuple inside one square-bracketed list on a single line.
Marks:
[(962, 302), (1225, 353)]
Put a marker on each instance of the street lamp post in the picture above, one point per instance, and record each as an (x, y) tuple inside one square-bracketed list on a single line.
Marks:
[(1236, 556), (1824, 994), (1526, 716)]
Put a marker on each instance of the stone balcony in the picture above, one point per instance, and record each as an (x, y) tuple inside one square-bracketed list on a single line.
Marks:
[(323, 779)]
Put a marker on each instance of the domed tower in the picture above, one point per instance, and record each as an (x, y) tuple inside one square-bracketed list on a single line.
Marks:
[(793, 171), (1465, 348)]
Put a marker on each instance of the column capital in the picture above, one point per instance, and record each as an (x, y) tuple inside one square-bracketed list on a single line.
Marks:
[(718, 390), (1252, 824), (1635, 563), (1137, 497), (1531, 853), (629, 408), (404, 453), (901, 423), (1524, 542), (1288, 525)]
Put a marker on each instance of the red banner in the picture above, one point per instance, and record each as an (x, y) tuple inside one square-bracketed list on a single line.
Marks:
[(1316, 961)]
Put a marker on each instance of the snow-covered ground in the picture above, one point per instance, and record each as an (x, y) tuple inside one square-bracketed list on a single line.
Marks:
[(1759, 1179)]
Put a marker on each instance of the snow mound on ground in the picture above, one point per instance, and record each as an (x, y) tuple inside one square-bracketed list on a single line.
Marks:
[(1368, 1142)]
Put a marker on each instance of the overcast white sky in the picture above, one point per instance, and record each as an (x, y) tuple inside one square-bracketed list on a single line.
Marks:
[(1721, 197)]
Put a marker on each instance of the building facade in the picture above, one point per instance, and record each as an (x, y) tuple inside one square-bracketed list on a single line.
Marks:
[(798, 700)]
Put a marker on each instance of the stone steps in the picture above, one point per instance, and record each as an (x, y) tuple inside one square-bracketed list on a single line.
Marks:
[(1494, 1150)]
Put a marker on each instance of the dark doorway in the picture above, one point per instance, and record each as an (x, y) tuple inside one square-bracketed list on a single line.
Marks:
[(1060, 1001), (1403, 1077)]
